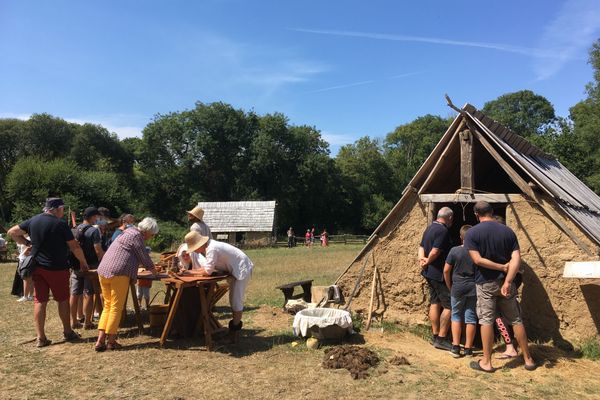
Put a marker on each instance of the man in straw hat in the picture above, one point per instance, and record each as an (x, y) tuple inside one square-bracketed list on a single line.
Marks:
[(224, 257), (51, 239), (195, 217)]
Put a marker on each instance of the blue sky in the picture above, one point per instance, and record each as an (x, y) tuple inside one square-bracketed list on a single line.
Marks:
[(349, 68)]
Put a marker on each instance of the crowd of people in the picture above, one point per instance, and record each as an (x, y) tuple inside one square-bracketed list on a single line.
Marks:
[(64, 257), (474, 283)]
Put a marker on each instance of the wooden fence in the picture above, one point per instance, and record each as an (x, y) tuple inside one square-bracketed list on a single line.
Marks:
[(333, 239)]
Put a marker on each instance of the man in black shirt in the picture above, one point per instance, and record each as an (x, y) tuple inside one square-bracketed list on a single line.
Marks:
[(433, 250), (495, 250), (51, 240)]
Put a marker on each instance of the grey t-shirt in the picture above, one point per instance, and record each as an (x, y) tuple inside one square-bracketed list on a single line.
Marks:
[(463, 272)]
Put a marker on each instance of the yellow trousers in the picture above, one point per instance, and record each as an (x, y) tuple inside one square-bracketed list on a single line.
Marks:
[(114, 291)]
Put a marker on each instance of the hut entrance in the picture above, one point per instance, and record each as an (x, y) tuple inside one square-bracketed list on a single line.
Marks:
[(464, 215)]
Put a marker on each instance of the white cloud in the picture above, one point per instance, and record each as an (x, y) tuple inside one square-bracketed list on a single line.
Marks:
[(338, 139), (569, 35)]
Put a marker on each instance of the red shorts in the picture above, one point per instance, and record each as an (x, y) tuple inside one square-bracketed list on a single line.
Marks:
[(45, 280)]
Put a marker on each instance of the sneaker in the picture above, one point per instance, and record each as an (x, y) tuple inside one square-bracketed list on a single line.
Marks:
[(29, 298), (443, 344), (433, 339), (468, 352), (22, 299), (455, 351)]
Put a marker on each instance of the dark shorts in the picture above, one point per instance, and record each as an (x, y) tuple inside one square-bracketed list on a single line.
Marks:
[(439, 293), (45, 280), (81, 285)]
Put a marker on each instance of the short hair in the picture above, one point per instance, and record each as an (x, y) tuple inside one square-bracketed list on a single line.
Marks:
[(148, 225), (483, 208), (463, 230), (124, 217), (445, 213)]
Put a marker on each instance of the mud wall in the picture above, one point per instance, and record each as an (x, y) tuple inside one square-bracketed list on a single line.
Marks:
[(405, 295), (553, 307)]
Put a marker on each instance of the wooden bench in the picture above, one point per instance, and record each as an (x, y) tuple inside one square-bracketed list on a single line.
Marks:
[(3, 254), (288, 291)]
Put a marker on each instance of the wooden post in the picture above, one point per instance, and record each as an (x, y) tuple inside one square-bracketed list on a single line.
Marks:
[(466, 161), (373, 286)]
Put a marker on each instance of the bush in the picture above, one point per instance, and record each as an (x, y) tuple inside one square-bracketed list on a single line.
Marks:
[(170, 236), (590, 348)]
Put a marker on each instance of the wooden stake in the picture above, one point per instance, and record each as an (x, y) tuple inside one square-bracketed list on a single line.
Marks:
[(373, 286)]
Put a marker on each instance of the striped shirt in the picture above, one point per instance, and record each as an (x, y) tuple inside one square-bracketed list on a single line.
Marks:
[(124, 256)]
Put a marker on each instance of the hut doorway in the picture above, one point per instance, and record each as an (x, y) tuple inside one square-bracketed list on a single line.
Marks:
[(464, 215)]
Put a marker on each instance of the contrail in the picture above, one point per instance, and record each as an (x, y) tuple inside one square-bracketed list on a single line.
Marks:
[(538, 53)]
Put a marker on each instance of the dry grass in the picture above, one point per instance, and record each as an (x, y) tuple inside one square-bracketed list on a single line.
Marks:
[(264, 365)]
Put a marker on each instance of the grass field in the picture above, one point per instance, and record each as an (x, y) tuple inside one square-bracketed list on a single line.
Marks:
[(265, 364)]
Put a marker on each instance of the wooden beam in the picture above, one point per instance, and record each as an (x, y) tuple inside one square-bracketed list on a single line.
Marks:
[(466, 161), (471, 198)]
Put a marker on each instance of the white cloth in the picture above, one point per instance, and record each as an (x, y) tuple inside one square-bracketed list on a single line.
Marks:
[(22, 249), (201, 228), (196, 259), (321, 317), (224, 257), (237, 290)]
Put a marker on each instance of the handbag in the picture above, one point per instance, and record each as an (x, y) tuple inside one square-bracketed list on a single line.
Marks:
[(27, 266)]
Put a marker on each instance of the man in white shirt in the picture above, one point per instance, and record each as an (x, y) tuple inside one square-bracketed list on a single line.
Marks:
[(195, 216), (223, 257)]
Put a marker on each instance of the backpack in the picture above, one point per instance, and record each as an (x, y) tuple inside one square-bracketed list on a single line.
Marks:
[(86, 245)]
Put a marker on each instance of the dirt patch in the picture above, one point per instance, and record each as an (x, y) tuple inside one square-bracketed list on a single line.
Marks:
[(355, 359), (399, 360)]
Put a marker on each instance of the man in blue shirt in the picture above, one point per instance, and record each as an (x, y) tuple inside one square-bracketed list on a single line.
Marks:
[(433, 250), (495, 250)]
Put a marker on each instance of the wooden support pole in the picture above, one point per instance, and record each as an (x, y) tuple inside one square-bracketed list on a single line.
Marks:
[(466, 161), (373, 287)]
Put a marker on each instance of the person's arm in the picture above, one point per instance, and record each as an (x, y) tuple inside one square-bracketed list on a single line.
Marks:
[(513, 267), (422, 258), (142, 255), (485, 263), (98, 245), (210, 265), (18, 235), (448, 275), (76, 250)]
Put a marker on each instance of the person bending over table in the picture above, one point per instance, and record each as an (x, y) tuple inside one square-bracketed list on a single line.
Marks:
[(118, 266), (224, 257)]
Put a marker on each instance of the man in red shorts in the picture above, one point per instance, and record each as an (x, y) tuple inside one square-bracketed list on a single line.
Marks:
[(51, 240)]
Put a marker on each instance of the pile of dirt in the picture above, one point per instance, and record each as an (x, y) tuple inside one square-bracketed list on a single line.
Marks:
[(355, 359), (399, 360)]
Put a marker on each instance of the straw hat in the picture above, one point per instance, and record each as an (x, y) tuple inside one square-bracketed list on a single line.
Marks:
[(197, 212), (194, 241)]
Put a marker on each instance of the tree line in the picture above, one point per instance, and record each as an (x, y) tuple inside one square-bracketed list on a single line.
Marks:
[(215, 152)]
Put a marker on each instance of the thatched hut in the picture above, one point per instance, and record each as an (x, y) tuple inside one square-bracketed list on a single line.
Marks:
[(556, 218)]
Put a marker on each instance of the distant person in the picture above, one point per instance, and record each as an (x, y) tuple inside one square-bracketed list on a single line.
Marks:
[(125, 221), (195, 216), (459, 274), (290, 236), (307, 238), (224, 257), (432, 253), (51, 240), (22, 287), (494, 249), (324, 238), (312, 236), (118, 267)]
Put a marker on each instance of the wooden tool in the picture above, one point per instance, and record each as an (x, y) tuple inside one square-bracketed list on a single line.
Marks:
[(373, 287)]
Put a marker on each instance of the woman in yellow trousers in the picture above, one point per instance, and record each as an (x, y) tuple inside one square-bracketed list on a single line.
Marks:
[(118, 266)]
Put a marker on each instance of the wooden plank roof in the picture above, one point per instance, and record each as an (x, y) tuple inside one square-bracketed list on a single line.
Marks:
[(239, 216), (573, 196)]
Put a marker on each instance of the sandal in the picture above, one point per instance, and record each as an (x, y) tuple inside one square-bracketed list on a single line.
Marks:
[(100, 347), (114, 346), (71, 336), (43, 342), (477, 367)]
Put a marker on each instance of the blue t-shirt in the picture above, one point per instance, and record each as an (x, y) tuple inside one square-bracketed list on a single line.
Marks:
[(463, 272), (494, 241), (436, 236)]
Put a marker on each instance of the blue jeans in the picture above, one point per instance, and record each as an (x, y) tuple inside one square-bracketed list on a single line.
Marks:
[(463, 309)]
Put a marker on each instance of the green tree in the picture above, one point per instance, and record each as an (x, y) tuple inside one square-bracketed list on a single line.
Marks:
[(524, 112), (407, 147)]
